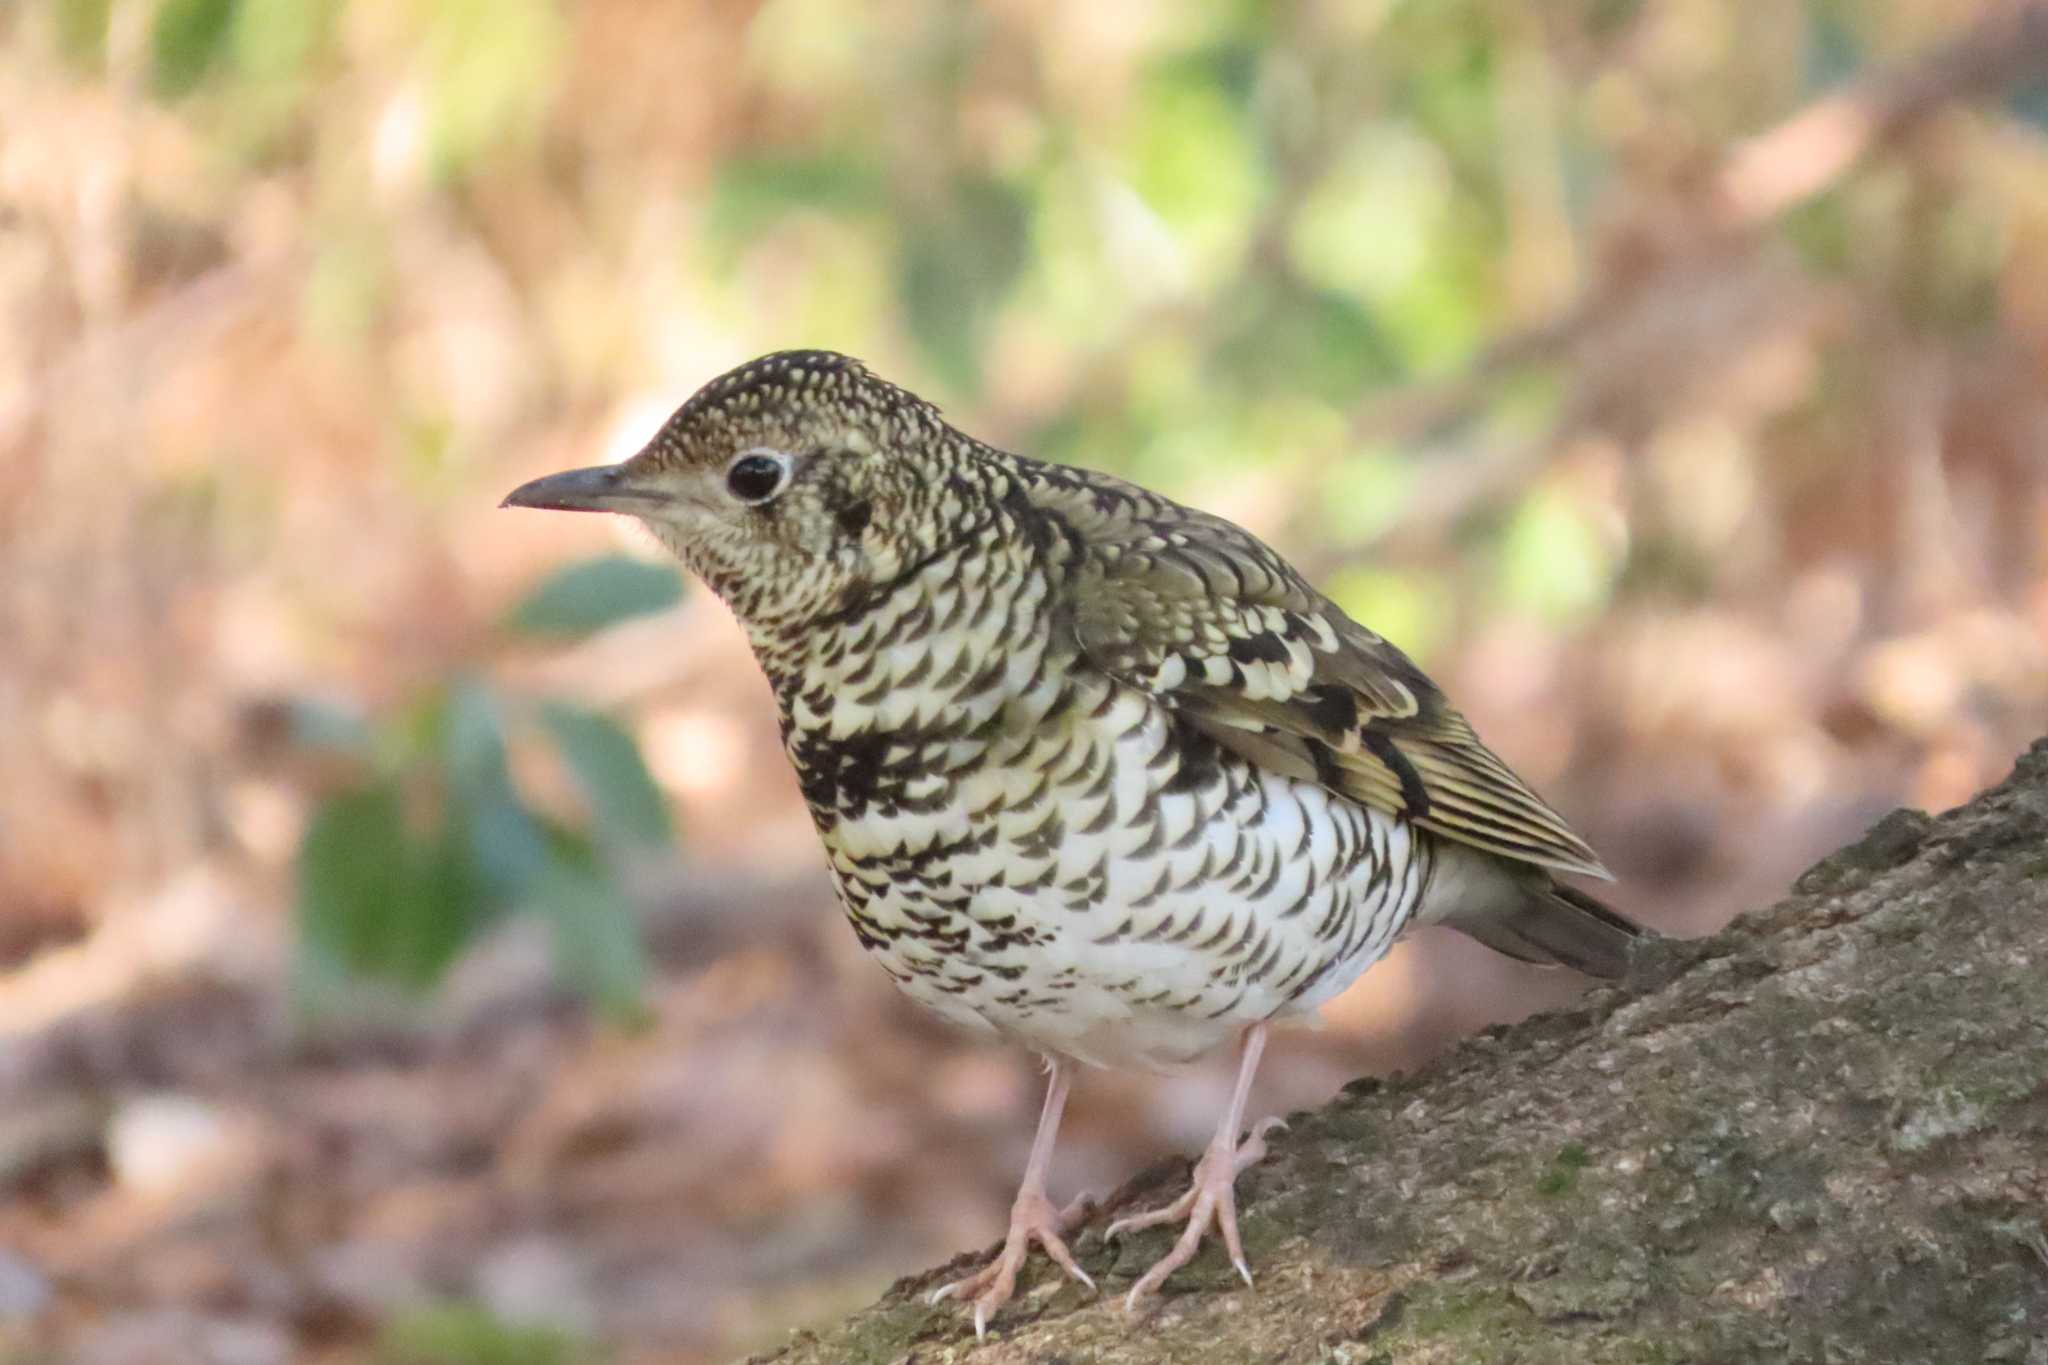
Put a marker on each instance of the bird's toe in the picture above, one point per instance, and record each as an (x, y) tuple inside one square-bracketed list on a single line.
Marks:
[(995, 1284), (1211, 1200)]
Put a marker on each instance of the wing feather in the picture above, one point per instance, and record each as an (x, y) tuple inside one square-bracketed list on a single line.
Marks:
[(1213, 622)]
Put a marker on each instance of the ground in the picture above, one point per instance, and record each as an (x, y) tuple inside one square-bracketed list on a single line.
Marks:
[(1820, 1135)]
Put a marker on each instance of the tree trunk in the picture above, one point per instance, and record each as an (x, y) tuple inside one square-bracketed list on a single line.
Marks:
[(1821, 1135)]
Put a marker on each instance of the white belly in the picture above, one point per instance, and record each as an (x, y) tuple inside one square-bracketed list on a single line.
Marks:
[(1101, 914)]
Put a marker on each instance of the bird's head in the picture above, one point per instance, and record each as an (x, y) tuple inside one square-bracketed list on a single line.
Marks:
[(789, 485)]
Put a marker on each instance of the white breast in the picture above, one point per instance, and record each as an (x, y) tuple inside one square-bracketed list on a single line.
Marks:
[(1065, 884), (1160, 922)]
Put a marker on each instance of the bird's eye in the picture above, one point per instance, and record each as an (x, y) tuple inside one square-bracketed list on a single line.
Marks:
[(755, 476)]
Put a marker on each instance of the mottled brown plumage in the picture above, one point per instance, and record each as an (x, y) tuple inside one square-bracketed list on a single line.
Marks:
[(1094, 771)]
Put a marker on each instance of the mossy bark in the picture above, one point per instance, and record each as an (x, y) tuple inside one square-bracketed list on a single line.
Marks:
[(1821, 1135)]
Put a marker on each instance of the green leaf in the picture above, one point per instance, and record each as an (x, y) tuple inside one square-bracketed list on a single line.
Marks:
[(473, 737), (374, 902), (505, 843), (626, 805), (350, 870), (186, 40), (595, 593), (440, 913), (596, 936)]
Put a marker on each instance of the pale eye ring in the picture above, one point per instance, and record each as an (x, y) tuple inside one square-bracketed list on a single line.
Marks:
[(756, 475)]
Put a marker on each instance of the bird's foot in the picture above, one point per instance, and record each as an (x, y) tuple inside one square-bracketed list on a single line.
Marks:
[(1032, 1218), (1211, 1197)]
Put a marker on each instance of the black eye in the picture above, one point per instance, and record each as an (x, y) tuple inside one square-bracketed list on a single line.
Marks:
[(757, 475)]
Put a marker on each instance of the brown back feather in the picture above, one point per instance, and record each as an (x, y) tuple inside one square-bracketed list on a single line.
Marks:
[(1203, 615)]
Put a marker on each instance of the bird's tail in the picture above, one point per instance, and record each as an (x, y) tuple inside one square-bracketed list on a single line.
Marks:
[(1553, 924)]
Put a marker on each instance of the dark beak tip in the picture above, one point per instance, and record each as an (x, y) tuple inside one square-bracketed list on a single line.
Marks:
[(575, 490), (528, 494)]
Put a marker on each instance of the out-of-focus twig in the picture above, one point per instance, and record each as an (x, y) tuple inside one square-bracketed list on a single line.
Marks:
[(1782, 167), (1757, 181)]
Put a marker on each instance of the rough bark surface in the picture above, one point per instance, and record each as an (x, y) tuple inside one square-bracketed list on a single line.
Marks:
[(1821, 1135)]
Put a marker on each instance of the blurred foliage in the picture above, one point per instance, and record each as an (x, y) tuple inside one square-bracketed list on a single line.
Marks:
[(1253, 231), (405, 867), (594, 593), (464, 1334), (1206, 246)]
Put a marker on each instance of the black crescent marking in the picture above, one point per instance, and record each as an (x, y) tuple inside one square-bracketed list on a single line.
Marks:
[(1414, 796)]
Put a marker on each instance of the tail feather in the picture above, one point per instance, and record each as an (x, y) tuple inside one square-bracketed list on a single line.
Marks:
[(1555, 925)]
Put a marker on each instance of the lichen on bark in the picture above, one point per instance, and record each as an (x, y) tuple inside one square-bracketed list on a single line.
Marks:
[(1821, 1135)]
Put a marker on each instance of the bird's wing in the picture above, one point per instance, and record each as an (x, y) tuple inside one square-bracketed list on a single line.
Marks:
[(1207, 618)]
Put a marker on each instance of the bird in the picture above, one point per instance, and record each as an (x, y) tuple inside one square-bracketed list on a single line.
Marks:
[(1095, 773)]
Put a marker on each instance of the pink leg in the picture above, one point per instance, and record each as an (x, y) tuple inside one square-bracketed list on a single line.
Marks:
[(1213, 1195), (1032, 1218)]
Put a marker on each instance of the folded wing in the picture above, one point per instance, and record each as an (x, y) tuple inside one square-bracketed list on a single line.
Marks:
[(1198, 612)]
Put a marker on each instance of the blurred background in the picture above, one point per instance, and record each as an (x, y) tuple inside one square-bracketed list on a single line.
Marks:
[(412, 947)]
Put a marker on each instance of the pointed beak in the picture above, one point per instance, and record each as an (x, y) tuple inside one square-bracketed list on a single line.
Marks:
[(602, 489)]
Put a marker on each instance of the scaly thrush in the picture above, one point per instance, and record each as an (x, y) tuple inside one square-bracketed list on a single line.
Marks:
[(1095, 772)]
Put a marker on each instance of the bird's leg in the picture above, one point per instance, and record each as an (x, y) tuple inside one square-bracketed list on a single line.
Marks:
[(1212, 1194), (1032, 1217)]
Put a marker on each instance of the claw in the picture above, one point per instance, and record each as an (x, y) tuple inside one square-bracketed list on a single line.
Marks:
[(1211, 1199), (1031, 1220)]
